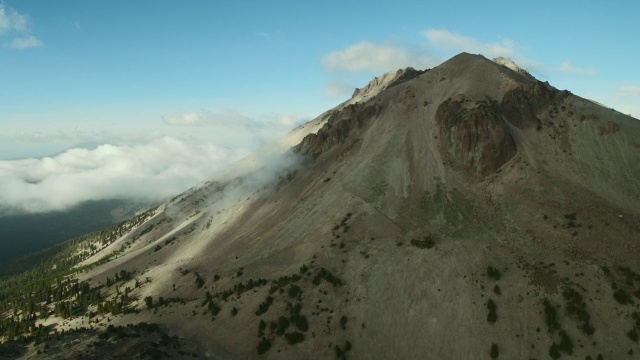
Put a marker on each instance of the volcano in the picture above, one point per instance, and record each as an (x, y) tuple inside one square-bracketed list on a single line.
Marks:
[(467, 211)]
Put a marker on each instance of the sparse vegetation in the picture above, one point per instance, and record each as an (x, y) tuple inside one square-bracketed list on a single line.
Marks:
[(493, 273), (496, 290), (264, 306), (577, 308), (426, 243), (622, 297), (294, 338), (494, 353), (199, 281), (550, 316), (492, 317), (264, 345)]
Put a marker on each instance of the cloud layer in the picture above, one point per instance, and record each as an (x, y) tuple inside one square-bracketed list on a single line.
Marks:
[(152, 171)]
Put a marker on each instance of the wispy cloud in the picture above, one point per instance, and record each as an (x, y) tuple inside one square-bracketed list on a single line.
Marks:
[(17, 26), (449, 41), (568, 68), (150, 171), (375, 58), (231, 118), (371, 57), (265, 36), (25, 42), (629, 91), (11, 20)]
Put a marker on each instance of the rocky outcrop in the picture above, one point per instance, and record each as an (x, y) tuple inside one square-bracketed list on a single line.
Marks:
[(387, 80), (337, 129), (610, 128), (474, 136), (512, 65), (522, 105)]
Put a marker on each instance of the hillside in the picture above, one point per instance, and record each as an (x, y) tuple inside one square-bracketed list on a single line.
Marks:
[(464, 212)]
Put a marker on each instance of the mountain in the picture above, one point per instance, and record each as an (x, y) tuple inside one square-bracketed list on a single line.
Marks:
[(468, 211)]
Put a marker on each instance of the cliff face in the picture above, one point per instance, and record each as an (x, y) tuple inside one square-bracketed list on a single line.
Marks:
[(336, 130), (524, 105)]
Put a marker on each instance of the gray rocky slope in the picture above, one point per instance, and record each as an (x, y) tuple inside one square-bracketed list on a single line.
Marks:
[(464, 212)]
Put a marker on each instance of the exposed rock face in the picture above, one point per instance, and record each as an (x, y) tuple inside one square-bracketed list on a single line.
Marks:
[(522, 105), (338, 127), (474, 136), (385, 81), (512, 65), (610, 128)]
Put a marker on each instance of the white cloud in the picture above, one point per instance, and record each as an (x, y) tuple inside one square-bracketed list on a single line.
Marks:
[(17, 25), (448, 41), (153, 171), (11, 20), (185, 119), (370, 57), (25, 42), (568, 68)]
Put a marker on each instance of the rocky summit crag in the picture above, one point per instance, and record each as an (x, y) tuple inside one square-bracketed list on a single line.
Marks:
[(468, 211)]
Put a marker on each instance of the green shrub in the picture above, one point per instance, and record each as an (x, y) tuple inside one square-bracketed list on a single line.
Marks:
[(300, 322), (264, 306), (343, 322), (199, 281), (633, 335), (426, 243), (622, 297), (550, 316), (493, 273), (494, 353), (148, 300), (294, 338), (263, 346), (566, 345), (496, 290), (283, 324), (492, 316), (294, 290)]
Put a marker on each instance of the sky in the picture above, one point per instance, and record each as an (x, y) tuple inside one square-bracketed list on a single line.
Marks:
[(170, 92)]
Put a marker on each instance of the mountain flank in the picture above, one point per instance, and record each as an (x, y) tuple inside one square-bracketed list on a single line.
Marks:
[(467, 211)]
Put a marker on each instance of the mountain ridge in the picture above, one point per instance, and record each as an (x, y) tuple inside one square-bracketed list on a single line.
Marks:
[(465, 202)]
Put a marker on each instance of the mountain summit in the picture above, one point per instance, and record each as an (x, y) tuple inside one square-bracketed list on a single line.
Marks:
[(468, 211)]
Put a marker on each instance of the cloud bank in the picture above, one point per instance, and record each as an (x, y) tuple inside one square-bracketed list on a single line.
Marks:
[(152, 171)]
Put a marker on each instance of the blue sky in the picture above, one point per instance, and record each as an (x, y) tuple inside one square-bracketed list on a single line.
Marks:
[(233, 75)]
